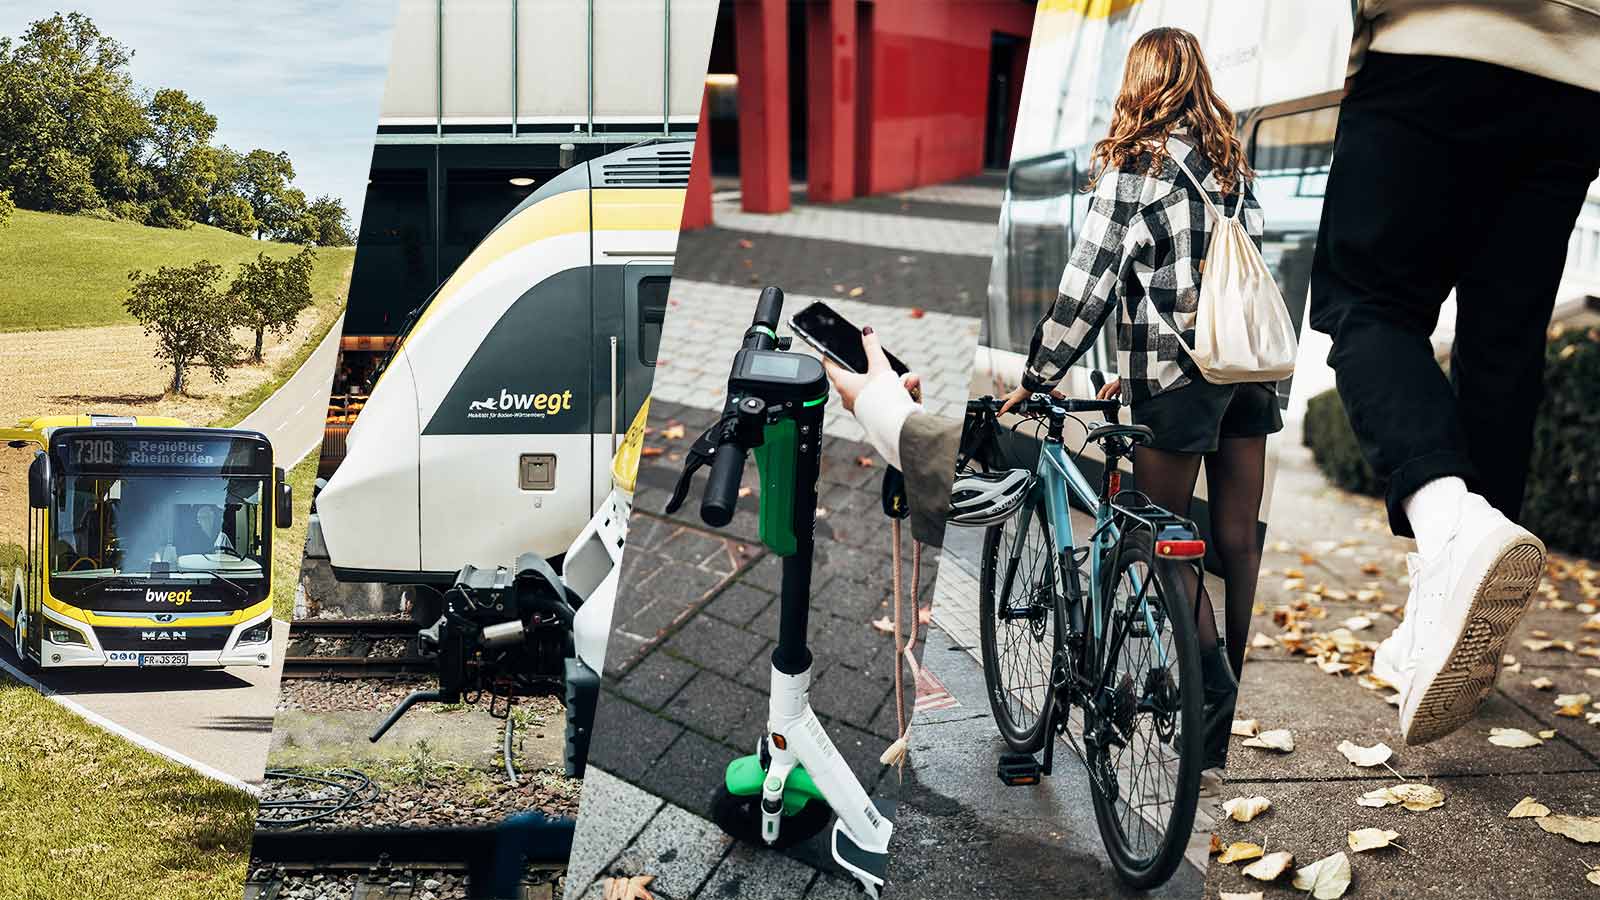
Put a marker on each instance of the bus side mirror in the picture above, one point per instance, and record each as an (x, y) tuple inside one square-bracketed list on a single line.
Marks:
[(283, 497), (39, 481)]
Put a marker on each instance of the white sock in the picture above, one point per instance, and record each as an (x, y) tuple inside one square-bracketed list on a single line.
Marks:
[(1433, 510)]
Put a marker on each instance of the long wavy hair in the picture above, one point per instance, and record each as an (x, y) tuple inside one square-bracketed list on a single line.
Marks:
[(1166, 86)]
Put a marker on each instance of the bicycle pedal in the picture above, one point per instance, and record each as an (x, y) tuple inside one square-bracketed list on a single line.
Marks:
[(1018, 769)]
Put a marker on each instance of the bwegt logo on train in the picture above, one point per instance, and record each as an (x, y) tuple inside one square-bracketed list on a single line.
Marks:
[(176, 598), (508, 405)]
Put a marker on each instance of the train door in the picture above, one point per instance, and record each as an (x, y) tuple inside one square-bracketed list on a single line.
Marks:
[(630, 305)]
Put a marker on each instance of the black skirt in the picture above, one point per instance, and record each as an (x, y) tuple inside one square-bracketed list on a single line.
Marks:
[(1193, 418)]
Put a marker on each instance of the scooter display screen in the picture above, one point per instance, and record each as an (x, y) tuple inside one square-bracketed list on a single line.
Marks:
[(775, 365), (777, 375)]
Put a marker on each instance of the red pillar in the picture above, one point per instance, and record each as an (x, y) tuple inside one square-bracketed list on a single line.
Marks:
[(697, 197), (831, 119), (762, 58)]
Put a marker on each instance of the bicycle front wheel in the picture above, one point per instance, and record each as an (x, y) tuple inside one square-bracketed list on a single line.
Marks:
[(1146, 762), (1017, 588)]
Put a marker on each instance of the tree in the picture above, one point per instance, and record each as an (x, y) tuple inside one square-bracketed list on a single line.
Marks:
[(71, 122), (264, 181), (269, 294), (182, 163), (324, 223), (191, 319)]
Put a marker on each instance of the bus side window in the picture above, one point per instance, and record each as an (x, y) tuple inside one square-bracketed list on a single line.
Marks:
[(652, 300)]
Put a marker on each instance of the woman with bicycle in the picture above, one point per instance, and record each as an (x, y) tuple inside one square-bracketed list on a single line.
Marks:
[(1141, 254)]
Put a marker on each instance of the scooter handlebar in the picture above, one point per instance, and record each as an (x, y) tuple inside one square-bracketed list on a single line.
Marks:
[(769, 308), (722, 487)]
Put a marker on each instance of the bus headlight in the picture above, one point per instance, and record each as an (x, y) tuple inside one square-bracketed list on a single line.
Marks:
[(260, 634), (61, 634)]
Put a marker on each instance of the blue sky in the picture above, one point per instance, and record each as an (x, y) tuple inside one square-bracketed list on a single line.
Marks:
[(293, 75)]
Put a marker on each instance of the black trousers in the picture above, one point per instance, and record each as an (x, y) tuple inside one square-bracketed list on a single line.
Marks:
[(1448, 173)]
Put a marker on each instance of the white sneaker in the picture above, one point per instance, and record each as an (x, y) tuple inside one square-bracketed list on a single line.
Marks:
[(1464, 604), (1394, 652)]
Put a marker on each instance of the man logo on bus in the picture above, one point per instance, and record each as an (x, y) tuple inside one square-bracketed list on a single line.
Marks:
[(176, 598), (516, 406)]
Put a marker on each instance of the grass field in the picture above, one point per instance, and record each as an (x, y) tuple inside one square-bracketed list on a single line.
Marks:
[(289, 544), (72, 271), (88, 814)]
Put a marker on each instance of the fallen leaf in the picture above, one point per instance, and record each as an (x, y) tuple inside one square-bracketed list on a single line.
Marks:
[(1327, 878), (1246, 727), (1583, 829), (1364, 839), (1372, 682), (1243, 809), (1216, 844), (1366, 757), (1515, 738), (1371, 569), (1541, 684), (1392, 699), (1547, 733), (1263, 641), (1593, 877), (1415, 797), (1270, 866), (1528, 808), (1276, 739), (856, 291), (1239, 851), (1571, 705), (634, 888), (673, 432), (1257, 895), (1357, 623), (649, 451), (1537, 645)]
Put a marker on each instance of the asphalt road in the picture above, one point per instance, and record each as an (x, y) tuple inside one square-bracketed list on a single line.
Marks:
[(292, 419), (219, 717)]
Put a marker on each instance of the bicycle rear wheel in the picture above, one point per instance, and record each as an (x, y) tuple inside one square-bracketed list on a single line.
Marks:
[(1146, 773), (1018, 584)]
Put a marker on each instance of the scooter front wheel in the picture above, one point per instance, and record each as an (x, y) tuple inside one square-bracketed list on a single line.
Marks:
[(740, 818)]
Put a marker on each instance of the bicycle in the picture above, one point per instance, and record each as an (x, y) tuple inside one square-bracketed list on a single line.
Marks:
[(1121, 680)]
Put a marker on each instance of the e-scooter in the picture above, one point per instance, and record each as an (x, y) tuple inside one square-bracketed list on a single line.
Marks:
[(797, 776)]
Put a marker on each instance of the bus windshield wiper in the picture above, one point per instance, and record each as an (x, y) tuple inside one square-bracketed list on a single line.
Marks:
[(241, 589)]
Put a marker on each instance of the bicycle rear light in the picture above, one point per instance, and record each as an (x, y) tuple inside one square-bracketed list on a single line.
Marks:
[(1184, 549)]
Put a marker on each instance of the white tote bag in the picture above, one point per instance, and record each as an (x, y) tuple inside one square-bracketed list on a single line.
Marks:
[(1242, 329)]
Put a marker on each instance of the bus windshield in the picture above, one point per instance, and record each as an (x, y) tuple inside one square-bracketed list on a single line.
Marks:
[(165, 527), (160, 520)]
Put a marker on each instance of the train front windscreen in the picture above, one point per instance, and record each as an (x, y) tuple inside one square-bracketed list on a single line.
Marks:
[(160, 522)]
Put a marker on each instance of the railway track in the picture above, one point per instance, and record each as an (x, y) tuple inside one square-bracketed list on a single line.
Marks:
[(400, 863), (353, 648)]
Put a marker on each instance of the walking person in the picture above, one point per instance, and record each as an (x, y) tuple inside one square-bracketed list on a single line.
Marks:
[(1170, 166), (1467, 141)]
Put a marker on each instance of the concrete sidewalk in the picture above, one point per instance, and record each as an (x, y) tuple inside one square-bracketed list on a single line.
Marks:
[(1330, 559)]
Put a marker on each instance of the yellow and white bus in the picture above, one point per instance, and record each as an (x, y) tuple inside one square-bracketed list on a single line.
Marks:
[(146, 543)]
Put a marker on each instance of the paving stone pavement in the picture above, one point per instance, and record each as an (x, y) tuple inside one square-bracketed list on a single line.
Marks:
[(928, 248), (1327, 549)]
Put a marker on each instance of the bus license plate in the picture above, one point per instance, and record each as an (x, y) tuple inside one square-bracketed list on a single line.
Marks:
[(163, 659)]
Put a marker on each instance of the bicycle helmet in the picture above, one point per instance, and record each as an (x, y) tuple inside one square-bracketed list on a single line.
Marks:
[(984, 498)]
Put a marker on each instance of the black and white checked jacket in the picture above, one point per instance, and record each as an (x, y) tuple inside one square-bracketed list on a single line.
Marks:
[(1140, 252)]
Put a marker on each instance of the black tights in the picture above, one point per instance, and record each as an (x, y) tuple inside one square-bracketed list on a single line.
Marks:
[(1235, 478)]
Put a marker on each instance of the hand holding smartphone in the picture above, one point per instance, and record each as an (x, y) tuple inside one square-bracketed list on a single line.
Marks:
[(837, 338)]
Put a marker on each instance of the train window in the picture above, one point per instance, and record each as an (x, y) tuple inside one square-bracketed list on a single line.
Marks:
[(652, 300), (1291, 154)]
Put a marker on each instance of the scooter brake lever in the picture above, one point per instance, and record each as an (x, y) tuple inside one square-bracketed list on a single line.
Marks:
[(700, 454)]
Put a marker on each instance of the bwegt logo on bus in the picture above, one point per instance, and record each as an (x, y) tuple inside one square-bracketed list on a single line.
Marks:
[(176, 598), (508, 405)]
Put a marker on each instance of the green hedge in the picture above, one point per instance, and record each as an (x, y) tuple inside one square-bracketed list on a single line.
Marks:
[(1562, 503)]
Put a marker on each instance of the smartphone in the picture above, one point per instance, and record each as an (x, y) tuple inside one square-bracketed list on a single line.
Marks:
[(837, 338)]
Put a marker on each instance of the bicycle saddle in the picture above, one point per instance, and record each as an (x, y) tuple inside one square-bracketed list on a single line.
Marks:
[(1138, 434)]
